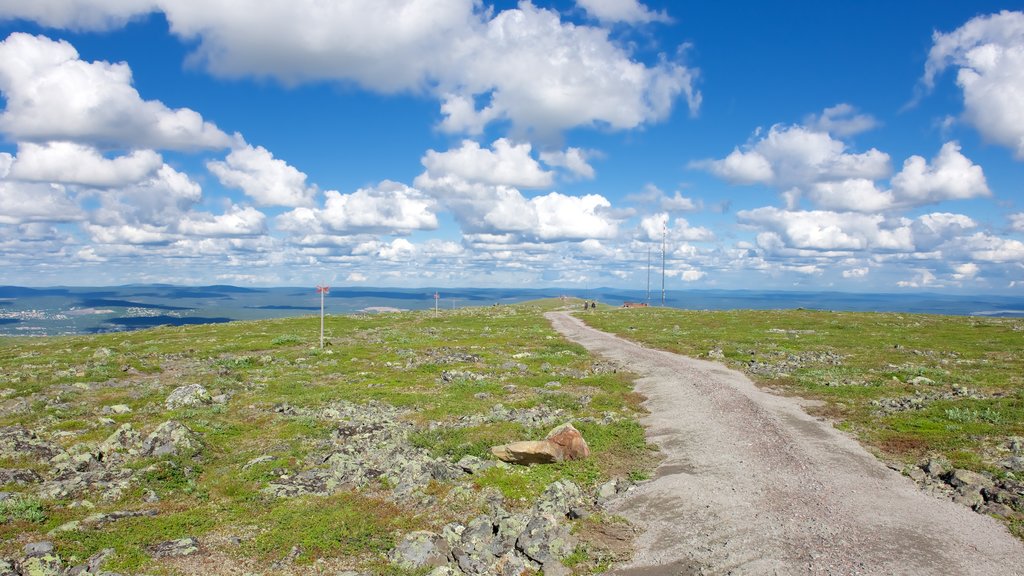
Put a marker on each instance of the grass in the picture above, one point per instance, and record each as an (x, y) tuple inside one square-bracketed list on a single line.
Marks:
[(265, 365)]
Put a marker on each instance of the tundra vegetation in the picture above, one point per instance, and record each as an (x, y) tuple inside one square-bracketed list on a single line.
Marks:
[(244, 447), (937, 397)]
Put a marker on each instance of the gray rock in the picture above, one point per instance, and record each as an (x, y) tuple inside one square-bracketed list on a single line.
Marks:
[(544, 540), (474, 551), (921, 381), (19, 476), (189, 395), (45, 565), (420, 549), (560, 498), (124, 439), (34, 549), (171, 438), (18, 442), (174, 548), (92, 564), (1013, 463), (967, 480), (937, 467)]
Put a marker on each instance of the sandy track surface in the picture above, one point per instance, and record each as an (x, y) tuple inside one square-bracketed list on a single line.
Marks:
[(751, 484)]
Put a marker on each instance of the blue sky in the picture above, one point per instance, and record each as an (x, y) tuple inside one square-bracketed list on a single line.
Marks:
[(859, 146)]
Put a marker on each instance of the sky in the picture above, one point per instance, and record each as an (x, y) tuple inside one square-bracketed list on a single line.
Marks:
[(869, 146)]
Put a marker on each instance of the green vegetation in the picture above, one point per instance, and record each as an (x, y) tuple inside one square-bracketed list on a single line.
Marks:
[(909, 385), (445, 373)]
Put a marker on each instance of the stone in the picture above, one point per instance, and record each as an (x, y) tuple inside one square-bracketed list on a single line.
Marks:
[(561, 498), (186, 396), (18, 441), (174, 548), (716, 354), (420, 549), (117, 409), (92, 564), (19, 476), (921, 381), (1013, 463), (573, 444), (544, 540), (124, 439), (936, 467), (444, 571), (34, 549), (171, 438), (967, 480), (529, 452), (474, 551), (46, 565)]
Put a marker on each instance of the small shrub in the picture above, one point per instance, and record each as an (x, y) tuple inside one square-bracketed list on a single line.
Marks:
[(286, 339), (22, 508)]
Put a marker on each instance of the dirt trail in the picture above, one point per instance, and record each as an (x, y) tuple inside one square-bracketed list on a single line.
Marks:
[(751, 484)]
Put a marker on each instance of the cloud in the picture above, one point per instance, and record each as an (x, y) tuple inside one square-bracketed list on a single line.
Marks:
[(653, 227), (628, 11), (508, 64), (679, 203), (76, 14), (24, 202), (456, 50), (951, 176), (692, 275), (572, 159), (820, 230), (505, 164), (797, 156), (922, 279), (52, 95), (856, 273), (813, 165), (356, 277), (841, 120), (71, 163), (390, 208), (156, 204), (267, 180), (561, 217), (966, 271), (1017, 221), (236, 221), (989, 54)]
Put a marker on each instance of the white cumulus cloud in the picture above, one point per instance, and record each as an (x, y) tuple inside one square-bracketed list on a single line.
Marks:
[(950, 176), (267, 180), (52, 95), (572, 159), (71, 163), (988, 52), (389, 207), (505, 163), (629, 11)]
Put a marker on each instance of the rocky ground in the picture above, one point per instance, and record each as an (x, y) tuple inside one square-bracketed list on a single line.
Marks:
[(372, 457)]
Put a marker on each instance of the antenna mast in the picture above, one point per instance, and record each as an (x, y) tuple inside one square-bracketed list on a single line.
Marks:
[(664, 243), (648, 273), (322, 289)]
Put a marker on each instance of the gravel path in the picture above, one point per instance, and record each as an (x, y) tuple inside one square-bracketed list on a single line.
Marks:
[(751, 484)]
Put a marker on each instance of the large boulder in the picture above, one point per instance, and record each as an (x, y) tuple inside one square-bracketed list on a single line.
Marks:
[(529, 452), (170, 439), (571, 440), (190, 395)]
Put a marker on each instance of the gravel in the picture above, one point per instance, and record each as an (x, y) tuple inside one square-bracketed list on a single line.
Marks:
[(751, 484)]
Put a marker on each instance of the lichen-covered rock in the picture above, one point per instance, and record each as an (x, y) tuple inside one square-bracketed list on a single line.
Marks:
[(19, 476), (528, 452), (19, 442), (370, 443), (474, 552), (174, 548), (545, 540), (420, 549), (170, 439), (189, 395), (561, 498), (125, 439), (574, 446)]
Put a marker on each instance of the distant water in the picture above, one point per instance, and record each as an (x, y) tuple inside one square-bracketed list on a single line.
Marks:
[(78, 310)]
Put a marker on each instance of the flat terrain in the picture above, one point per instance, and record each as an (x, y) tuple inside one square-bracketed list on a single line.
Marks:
[(751, 484)]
